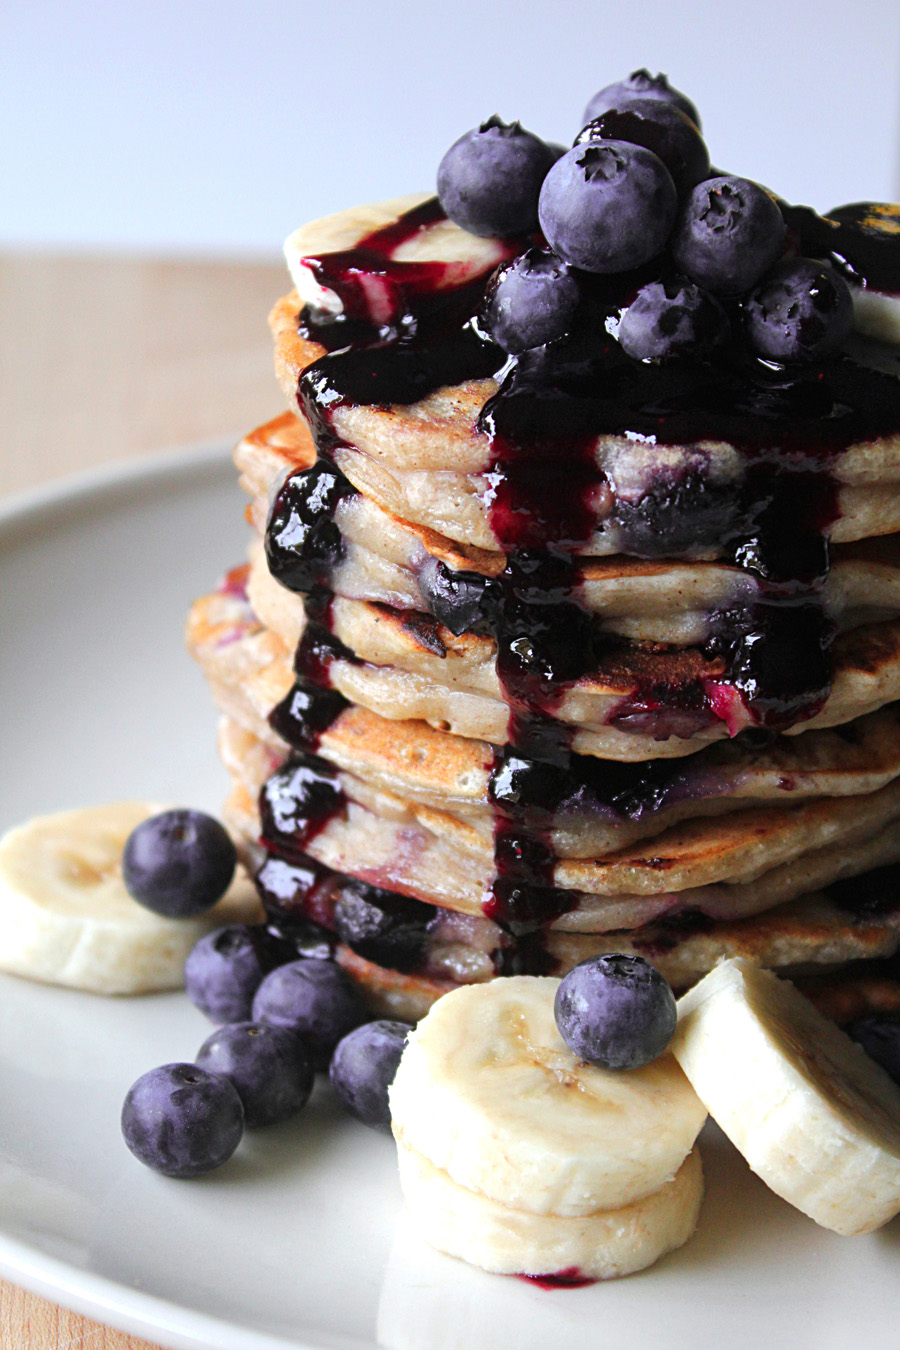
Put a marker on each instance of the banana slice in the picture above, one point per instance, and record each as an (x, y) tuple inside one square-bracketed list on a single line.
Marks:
[(506, 1241), (812, 1114), (466, 255), (66, 917), (488, 1091)]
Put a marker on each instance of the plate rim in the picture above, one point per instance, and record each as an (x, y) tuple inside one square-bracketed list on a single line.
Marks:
[(110, 1302)]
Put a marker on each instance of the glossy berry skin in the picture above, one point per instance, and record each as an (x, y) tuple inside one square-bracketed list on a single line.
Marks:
[(671, 318), (879, 1036), (454, 598), (303, 542), (660, 127), (269, 1066), (382, 926), (178, 863), (607, 207), (313, 998), (488, 181), (615, 1011), (182, 1120), (639, 84), (800, 311), (226, 967), (363, 1068), (531, 301), (728, 235)]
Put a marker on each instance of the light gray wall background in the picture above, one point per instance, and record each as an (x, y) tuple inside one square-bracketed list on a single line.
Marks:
[(210, 126)]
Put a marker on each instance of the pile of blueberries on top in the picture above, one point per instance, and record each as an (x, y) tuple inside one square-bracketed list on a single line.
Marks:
[(634, 189), (282, 1019)]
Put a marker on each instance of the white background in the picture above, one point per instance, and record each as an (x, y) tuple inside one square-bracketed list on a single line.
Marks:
[(211, 126)]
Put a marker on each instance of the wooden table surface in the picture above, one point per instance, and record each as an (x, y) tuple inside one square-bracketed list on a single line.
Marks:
[(110, 359)]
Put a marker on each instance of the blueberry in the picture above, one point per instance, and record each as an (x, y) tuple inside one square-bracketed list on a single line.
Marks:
[(607, 207), (303, 543), (456, 599), (800, 311), (660, 127), (315, 999), (616, 1011), (531, 301), (226, 967), (488, 181), (178, 863), (879, 1036), (182, 1120), (286, 889), (363, 1068), (382, 926), (268, 1065), (728, 235), (671, 318), (640, 84)]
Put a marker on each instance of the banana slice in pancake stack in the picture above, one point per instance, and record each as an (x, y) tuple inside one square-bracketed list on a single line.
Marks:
[(543, 656)]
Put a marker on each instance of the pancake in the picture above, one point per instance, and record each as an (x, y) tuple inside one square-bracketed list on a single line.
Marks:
[(427, 462), (640, 703), (452, 775)]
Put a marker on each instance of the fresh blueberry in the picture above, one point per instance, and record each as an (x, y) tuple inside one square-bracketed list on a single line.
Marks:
[(660, 127), (303, 542), (728, 235), (456, 599), (488, 181), (268, 1065), (363, 1068), (639, 84), (313, 998), (608, 207), (616, 1011), (671, 318), (226, 967), (800, 311), (382, 926), (182, 1120), (178, 863), (531, 301), (879, 1036)]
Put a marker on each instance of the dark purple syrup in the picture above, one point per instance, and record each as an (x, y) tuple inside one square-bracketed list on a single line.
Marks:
[(850, 237), (570, 1278)]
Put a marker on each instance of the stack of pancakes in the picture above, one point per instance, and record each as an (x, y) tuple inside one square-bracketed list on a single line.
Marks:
[(493, 704)]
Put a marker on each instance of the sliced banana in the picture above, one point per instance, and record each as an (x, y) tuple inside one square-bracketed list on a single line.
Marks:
[(66, 917), (812, 1114), (488, 1091), (442, 242), (506, 1241)]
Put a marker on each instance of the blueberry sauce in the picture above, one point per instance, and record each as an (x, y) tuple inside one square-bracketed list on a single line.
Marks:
[(385, 300), (768, 665), (861, 239), (570, 1278), (297, 802)]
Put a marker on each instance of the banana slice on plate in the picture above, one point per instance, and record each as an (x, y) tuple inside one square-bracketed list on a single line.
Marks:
[(490, 1094), (814, 1116), (66, 917), (464, 256), (506, 1241)]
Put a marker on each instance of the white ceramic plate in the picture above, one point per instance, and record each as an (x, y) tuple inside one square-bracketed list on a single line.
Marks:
[(300, 1240)]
